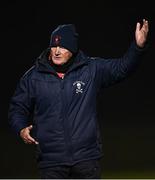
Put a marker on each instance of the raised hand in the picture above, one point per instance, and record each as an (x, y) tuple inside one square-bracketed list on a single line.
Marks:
[(141, 33)]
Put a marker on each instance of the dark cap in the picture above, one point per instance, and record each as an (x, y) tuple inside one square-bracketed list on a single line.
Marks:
[(65, 36)]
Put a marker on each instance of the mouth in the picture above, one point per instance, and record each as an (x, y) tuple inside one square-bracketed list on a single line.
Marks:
[(56, 58)]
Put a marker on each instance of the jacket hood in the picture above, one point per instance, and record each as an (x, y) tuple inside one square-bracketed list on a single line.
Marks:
[(43, 65)]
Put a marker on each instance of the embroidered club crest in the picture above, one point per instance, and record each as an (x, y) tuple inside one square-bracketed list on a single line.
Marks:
[(79, 86)]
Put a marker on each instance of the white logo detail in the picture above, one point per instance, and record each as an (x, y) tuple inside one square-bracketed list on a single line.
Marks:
[(79, 85)]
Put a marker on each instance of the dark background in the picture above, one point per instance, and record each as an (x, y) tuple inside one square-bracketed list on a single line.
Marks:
[(126, 110)]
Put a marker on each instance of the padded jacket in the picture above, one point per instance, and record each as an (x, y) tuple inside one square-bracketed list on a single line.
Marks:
[(63, 111)]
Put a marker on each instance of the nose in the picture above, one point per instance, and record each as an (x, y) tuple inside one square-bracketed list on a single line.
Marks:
[(57, 52)]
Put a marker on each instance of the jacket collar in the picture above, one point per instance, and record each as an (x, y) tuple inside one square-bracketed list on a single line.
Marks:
[(43, 65)]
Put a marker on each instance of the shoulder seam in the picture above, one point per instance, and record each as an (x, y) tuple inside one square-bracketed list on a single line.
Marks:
[(28, 71)]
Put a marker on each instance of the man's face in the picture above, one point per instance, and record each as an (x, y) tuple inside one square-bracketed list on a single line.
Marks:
[(60, 55)]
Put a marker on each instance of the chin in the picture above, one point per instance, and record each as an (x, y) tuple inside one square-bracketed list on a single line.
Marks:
[(57, 62)]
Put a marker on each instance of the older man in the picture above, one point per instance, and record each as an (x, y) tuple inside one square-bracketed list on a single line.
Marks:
[(60, 91)]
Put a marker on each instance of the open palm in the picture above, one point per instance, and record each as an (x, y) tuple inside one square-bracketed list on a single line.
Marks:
[(141, 33)]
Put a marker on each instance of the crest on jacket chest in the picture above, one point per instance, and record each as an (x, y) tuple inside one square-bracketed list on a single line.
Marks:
[(79, 86)]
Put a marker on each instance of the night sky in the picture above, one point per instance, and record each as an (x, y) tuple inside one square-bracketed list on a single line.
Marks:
[(125, 110)]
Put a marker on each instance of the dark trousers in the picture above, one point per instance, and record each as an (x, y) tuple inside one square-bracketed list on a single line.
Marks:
[(83, 170)]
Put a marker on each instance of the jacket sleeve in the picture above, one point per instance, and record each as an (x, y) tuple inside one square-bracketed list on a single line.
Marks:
[(21, 106), (111, 71)]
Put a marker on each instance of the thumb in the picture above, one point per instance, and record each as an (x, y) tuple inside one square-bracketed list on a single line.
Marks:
[(30, 127)]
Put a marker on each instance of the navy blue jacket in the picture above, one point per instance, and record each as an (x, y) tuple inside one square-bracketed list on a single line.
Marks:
[(64, 110)]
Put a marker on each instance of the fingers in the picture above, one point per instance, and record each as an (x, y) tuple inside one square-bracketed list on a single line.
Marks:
[(145, 21), (29, 140), (145, 25)]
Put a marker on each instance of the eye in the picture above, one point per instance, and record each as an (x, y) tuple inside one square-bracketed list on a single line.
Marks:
[(53, 48)]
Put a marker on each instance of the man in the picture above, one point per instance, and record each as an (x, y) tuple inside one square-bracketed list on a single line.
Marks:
[(59, 92)]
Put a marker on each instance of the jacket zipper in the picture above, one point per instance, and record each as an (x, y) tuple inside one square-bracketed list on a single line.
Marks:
[(65, 126)]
